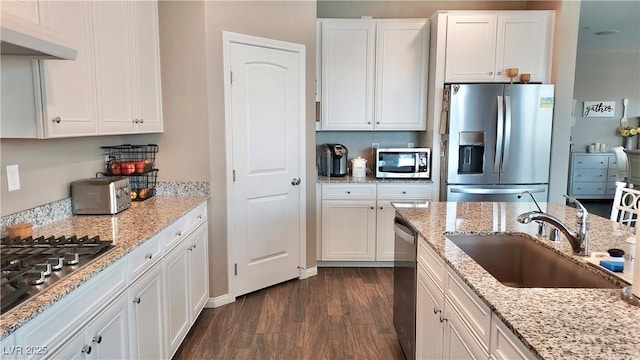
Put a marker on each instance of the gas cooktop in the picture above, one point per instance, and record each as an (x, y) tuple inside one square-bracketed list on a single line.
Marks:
[(33, 264)]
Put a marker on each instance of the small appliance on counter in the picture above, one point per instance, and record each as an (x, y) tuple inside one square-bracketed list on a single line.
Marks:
[(332, 160), (403, 163), (100, 196)]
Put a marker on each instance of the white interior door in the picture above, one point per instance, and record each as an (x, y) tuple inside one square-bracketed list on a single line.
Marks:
[(266, 108)]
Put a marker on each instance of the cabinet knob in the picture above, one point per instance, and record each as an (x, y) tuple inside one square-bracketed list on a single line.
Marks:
[(378, 122), (56, 120), (136, 300), (372, 208), (490, 72), (499, 72), (348, 192), (295, 181), (380, 207), (97, 339), (141, 120), (369, 122), (179, 233), (86, 349), (148, 256), (404, 192), (135, 121)]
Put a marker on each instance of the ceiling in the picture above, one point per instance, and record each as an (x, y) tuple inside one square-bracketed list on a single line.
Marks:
[(604, 15)]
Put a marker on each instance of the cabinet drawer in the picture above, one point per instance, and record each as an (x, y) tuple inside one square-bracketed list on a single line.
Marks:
[(196, 216), (611, 188), (175, 233), (349, 191), (614, 176), (590, 161), (584, 188), (505, 345), (590, 174), (145, 255), (432, 263), (404, 191), (613, 162), (472, 309)]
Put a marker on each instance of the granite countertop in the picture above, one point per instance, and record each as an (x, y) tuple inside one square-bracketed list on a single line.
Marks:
[(127, 230), (369, 180), (553, 323)]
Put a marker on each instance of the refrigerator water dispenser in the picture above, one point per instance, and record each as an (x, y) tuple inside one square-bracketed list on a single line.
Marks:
[(471, 152)]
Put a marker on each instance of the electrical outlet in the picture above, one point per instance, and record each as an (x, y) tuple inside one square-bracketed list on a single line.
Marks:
[(13, 177), (375, 145)]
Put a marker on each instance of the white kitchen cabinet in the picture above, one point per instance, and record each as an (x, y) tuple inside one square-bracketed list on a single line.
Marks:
[(348, 230), (105, 337), (373, 74), (27, 10), (129, 67), (480, 46), (385, 213), (146, 313), (69, 87), (505, 345), (113, 86), (462, 325), (186, 284)]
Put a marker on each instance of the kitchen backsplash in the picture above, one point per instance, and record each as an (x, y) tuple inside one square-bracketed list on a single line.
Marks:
[(53, 211)]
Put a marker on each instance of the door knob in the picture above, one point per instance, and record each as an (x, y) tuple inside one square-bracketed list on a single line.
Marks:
[(295, 181)]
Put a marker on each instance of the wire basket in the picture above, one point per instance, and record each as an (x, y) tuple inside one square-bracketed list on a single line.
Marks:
[(130, 159), (141, 186)]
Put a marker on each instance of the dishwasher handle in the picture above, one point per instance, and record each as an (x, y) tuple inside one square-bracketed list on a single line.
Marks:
[(402, 230)]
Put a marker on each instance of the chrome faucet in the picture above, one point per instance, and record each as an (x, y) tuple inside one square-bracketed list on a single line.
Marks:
[(579, 239)]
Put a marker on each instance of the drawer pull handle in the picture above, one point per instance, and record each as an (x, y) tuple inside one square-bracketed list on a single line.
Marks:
[(442, 319), (348, 192), (86, 349), (56, 119), (97, 339), (148, 256), (435, 310), (136, 300), (200, 216), (404, 192)]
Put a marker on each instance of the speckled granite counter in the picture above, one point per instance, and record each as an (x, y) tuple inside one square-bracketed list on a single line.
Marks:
[(553, 323), (369, 180), (127, 230)]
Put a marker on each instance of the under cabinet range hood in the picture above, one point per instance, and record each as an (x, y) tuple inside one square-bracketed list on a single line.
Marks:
[(24, 38)]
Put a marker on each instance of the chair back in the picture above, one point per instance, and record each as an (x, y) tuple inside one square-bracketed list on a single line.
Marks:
[(626, 204), (633, 157), (622, 163)]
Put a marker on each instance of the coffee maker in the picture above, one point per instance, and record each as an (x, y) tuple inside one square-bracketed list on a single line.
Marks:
[(332, 160)]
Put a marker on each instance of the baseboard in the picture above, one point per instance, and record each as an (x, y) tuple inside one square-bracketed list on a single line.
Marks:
[(307, 273), (219, 301), (354, 263)]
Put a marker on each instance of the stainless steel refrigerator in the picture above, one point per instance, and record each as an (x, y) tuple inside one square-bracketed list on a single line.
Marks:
[(498, 141)]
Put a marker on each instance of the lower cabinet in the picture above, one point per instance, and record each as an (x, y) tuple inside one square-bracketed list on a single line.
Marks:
[(357, 219), (186, 285), (106, 337), (146, 315), (452, 322)]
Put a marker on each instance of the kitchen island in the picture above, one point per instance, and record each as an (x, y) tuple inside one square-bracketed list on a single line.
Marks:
[(553, 323), (128, 230)]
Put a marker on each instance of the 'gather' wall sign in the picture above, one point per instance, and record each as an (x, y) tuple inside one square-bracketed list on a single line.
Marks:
[(599, 108)]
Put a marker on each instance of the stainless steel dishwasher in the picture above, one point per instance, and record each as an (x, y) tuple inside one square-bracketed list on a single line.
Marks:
[(404, 286)]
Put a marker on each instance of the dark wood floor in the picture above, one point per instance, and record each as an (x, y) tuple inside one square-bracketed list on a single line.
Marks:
[(342, 313)]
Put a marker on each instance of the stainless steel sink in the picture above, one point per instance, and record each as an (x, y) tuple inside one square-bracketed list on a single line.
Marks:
[(518, 261)]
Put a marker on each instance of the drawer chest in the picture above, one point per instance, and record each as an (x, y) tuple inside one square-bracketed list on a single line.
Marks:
[(593, 175)]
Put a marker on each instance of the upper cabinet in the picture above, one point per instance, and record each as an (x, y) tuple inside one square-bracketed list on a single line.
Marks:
[(480, 46), (113, 86), (373, 74)]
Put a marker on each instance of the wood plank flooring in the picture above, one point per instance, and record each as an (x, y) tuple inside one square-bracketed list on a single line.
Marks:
[(342, 314)]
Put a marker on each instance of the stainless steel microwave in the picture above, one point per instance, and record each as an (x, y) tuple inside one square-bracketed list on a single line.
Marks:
[(403, 163)]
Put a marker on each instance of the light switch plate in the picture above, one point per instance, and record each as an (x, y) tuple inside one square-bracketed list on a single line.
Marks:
[(13, 177)]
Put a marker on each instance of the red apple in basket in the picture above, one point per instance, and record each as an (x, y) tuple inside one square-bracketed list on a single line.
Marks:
[(114, 168), (139, 167), (128, 167)]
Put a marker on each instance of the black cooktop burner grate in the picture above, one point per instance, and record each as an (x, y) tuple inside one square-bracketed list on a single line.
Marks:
[(30, 265)]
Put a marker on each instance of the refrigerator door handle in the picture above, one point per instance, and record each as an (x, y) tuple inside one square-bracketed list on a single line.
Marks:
[(500, 134), (507, 130), (489, 191)]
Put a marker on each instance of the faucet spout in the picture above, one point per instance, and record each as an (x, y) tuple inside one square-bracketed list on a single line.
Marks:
[(579, 239)]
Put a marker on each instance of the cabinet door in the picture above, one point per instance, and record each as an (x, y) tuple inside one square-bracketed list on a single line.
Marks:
[(146, 65), (108, 334), (27, 10), (73, 349), (177, 291), (429, 329), (459, 342), (198, 270), (347, 74), (69, 87), (470, 50), (402, 52), (113, 66), (385, 213), (147, 314), (523, 42), (348, 229)]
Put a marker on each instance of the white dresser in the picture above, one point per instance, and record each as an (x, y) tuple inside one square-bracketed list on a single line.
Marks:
[(593, 175)]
